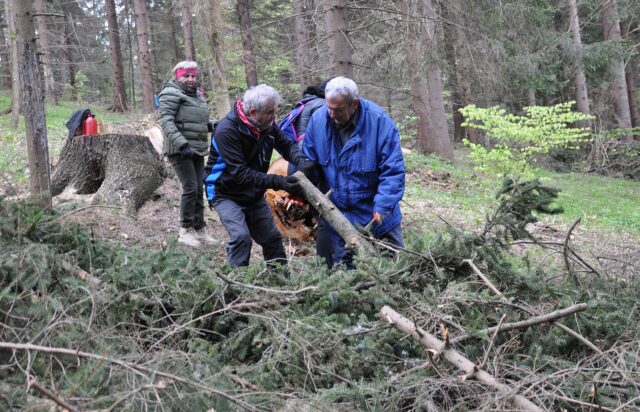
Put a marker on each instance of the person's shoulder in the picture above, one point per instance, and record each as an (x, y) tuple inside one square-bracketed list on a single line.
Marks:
[(170, 88), (373, 110)]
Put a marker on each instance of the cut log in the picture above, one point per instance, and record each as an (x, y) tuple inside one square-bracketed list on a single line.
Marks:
[(122, 170), (434, 344), (292, 220), (335, 218)]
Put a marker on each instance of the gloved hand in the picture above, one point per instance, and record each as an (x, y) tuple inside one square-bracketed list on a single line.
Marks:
[(309, 169), (186, 152), (289, 184), (378, 218)]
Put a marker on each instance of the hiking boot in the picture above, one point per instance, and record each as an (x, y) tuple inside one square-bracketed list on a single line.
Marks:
[(189, 237), (203, 237)]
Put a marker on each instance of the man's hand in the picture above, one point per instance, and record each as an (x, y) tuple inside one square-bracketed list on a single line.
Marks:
[(288, 183), (378, 218), (309, 168), (186, 152)]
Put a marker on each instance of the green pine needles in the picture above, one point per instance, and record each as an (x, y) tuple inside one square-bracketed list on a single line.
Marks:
[(514, 140)]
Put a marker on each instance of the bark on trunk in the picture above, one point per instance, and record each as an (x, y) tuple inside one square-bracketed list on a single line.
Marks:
[(221, 89), (440, 142), (119, 103), (452, 75), (4, 55), (33, 104), (302, 43), (127, 12), (632, 85), (122, 170), (579, 79), (249, 59), (43, 40), (462, 63), (454, 357), (340, 49), (15, 75), (144, 55), (68, 56), (336, 219), (419, 93), (618, 87), (173, 39), (189, 49)]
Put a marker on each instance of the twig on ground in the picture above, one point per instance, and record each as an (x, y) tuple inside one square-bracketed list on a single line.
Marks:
[(33, 383), (565, 254), (263, 289)]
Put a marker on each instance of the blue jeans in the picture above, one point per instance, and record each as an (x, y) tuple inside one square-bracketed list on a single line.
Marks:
[(345, 256), (244, 223)]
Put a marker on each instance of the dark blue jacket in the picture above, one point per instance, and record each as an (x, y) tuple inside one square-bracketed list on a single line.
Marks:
[(367, 174)]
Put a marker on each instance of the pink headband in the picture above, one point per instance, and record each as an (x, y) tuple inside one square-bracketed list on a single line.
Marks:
[(182, 72)]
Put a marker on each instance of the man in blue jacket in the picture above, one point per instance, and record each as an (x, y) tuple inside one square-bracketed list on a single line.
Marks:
[(356, 146)]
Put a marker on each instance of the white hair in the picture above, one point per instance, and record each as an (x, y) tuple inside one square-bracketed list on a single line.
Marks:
[(341, 86), (260, 98), (187, 64)]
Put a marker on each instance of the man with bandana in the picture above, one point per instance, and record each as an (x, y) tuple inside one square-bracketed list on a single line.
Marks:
[(239, 157)]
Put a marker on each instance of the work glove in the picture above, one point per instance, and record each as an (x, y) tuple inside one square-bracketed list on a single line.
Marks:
[(289, 184), (186, 152), (309, 169), (378, 218)]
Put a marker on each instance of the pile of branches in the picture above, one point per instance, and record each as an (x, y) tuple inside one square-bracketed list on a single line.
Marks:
[(615, 158), (458, 322)]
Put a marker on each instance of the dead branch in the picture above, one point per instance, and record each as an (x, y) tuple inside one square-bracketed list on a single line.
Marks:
[(454, 357), (151, 371), (262, 289), (493, 338), (336, 219), (565, 254), (548, 317), (33, 383), (484, 278)]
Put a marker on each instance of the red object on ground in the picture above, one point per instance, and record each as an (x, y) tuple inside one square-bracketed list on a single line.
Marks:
[(90, 125)]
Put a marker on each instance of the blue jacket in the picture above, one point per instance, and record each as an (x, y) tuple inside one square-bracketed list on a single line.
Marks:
[(367, 174)]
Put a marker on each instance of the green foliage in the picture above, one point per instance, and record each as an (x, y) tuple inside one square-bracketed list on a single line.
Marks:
[(516, 140)]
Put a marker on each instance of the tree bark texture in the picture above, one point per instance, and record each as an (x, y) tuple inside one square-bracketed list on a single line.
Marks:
[(119, 103), (248, 57), (334, 216), (440, 142), (454, 357), (173, 38), (68, 56), (221, 89), (189, 48), (632, 84), (144, 55), (579, 79), (419, 92), (45, 53), (618, 86), (462, 67), (15, 69), (302, 43), (4, 55), (340, 47), (32, 95), (122, 170)]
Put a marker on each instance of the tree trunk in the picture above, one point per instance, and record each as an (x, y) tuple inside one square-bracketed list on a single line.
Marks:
[(419, 93), (329, 211), (4, 54), (15, 75), (632, 85), (249, 59), (127, 12), (189, 49), (340, 49), (579, 79), (618, 87), (221, 89), (440, 142), (33, 104), (43, 39), (452, 74), (119, 89), (462, 63), (122, 170), (144, 55), (302, 43), (173, 39), (68, 56)]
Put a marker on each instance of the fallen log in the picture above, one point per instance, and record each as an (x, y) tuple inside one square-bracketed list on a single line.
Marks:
[(454, 357), (353, 239)]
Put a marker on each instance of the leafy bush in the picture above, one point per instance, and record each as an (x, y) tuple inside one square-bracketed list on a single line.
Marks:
[(517, 139)]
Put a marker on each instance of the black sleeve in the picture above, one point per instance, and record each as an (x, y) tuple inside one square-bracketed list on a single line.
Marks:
[(230, 147)]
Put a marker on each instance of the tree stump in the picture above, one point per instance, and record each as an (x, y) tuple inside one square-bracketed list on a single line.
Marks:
[(122, 170)]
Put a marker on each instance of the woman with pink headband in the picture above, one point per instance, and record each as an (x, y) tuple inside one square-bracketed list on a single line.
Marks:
[(184, 117)]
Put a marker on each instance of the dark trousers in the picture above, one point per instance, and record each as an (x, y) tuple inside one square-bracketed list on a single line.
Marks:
[(250, 222), (345, 256), (190, 172)]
